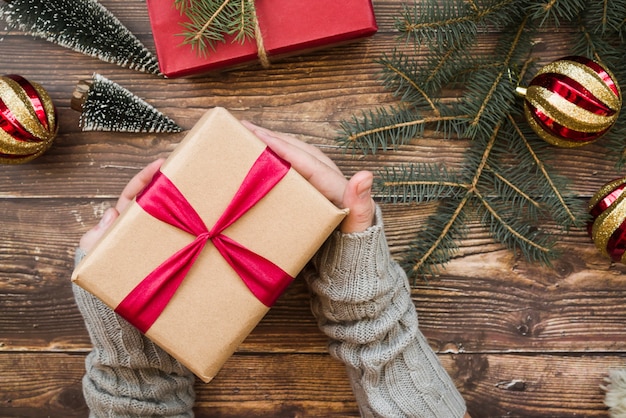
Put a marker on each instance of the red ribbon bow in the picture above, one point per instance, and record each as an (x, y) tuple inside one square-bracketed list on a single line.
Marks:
[(161, 199)]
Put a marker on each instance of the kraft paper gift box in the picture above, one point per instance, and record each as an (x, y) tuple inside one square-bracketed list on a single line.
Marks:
[(208, 311), (287, 26)]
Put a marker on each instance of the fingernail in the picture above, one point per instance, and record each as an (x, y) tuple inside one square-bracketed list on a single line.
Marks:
[(364, 189), (107, 217)]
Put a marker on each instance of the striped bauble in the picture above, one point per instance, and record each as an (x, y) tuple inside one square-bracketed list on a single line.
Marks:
[(28, 122), (572, 101), (607, 208)]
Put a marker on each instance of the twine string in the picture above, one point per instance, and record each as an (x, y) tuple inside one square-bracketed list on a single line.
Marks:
[(258, 36)]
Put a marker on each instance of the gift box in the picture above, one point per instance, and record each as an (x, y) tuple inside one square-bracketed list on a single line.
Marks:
[(202, 253), (287, 27)]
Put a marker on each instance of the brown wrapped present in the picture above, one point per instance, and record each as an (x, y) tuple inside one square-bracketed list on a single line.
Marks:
[(201, 254)]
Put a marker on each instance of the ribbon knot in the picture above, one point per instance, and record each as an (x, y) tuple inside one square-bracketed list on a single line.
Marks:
[(162, 199)]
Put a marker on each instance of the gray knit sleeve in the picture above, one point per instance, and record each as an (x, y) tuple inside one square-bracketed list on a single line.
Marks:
[(362, 301), (126, 374)]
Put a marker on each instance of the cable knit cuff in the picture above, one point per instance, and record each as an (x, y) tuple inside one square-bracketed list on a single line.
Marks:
[(362, 301), (127, 375)]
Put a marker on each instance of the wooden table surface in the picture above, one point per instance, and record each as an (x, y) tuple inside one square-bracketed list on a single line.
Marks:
[(520, 340)]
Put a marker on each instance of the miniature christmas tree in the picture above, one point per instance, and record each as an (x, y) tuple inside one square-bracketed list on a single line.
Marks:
[(84, 26), (505, 180), (107, 106)]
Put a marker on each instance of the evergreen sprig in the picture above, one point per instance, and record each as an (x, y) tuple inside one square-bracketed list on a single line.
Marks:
[(211, 21), (505, 179), (84, 26)]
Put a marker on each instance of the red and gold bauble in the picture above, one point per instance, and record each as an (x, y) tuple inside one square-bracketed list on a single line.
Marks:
[(608, 211), (28, 122), (572, 101)]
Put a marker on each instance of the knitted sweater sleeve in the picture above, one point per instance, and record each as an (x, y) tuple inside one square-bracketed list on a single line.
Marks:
[(127, 375), (362, 301)]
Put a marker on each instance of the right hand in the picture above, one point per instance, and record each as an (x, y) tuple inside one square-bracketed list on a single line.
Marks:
[(134, 186), (325, 176)]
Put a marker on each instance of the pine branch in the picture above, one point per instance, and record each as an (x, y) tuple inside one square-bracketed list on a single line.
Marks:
[(401, 73), (384, 129), (211, 21), (562, 209), (553, 12), (487, 107), (418, 183), (84, 26), (504, 177)]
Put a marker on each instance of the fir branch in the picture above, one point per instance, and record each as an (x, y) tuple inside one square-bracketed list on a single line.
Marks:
[(569, 218), (417, 183), (384, 129), (488, 107), (439, 249), (432, 23), (399, 72), (553, 12), (515, 234), (84, 26), (505, 177), (507, 186), (211, 21), (453, 24), (606, 17)]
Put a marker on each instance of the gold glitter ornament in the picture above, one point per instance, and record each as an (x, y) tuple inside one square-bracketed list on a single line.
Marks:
[(572, 101), (28, 122), (607, 208)]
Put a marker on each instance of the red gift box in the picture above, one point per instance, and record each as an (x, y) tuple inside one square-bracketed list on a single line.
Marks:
[(288, 26)]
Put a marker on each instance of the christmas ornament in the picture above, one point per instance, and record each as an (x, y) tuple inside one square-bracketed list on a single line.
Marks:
[(107, 106), (27, 120), (608, 211), (572, 101)]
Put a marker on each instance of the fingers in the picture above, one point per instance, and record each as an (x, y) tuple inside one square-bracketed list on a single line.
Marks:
[(358, 198), (325, 176), (137, 183), (303, 146), (307, 160), (134, 186), (88, 241)]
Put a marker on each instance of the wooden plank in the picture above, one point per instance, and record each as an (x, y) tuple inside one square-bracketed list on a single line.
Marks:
[(316, 385), (519, 339), (486, 299)]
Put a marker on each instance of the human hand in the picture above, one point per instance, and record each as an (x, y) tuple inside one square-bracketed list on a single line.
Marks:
[(325, 176), (134, 186)]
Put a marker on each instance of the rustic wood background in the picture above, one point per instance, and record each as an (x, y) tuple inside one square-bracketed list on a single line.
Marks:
[(519, 340)]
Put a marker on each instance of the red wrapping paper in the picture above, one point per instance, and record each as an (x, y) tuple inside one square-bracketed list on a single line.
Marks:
[(288, 26)]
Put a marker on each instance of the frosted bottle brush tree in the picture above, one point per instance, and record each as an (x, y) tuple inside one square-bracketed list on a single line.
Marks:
[(84, 26), (505, 179), (107, 106)]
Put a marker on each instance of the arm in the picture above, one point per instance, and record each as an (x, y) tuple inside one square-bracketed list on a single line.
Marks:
[(362, 299), (126, 374)]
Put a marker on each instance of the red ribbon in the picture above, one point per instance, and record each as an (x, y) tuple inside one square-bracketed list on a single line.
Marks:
[(161, 199)]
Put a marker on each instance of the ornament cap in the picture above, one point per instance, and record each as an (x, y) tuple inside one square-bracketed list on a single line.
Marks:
[(521, 91)]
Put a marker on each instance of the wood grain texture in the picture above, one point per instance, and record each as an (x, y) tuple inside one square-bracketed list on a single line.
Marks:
[(520, 340)]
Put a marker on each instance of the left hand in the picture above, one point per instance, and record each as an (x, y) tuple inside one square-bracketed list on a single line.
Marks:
[(134, 186)]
